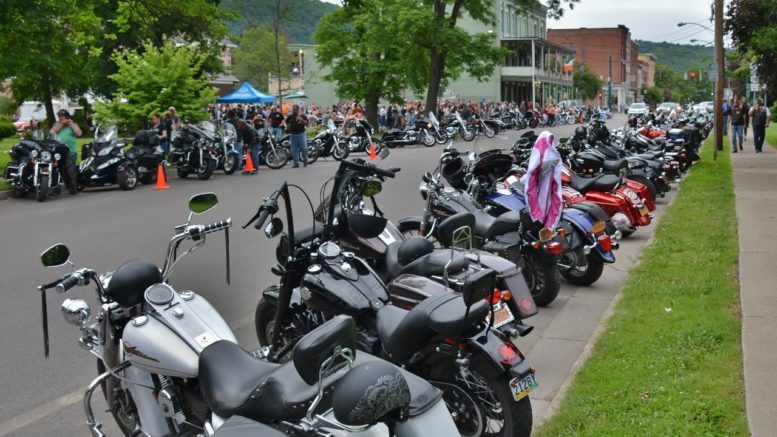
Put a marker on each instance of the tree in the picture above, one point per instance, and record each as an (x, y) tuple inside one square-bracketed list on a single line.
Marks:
[(751, 26), (44, 48), (153, 78), (653, 95), (255, 57), (587, 83), (366, 63)]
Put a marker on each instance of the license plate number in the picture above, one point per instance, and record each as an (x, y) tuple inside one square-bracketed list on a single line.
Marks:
[(598, 227), (502, 315), (643, 211), (522, 386)]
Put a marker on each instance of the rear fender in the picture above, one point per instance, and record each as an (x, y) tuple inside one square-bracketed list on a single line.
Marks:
[(492, 354)]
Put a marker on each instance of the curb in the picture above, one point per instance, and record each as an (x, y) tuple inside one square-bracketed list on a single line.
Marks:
[(5, 194)]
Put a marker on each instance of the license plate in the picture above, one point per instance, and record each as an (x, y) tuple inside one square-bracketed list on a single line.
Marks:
[(598, 227), (502, 315), (643, 211), (520, 387)]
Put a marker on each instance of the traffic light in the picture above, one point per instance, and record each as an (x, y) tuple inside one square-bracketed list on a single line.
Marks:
[(693, 75)]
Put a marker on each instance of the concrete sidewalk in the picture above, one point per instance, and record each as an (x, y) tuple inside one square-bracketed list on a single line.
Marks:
[(755, 187)]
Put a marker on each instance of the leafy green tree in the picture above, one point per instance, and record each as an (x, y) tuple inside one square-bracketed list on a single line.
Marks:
[(653, 95), (255, 59), (751, 24), (44, 47), (587, 83), (365, 61), (151, 79)]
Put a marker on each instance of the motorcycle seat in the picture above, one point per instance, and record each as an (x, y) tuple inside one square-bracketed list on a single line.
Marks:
[(238, 426), (614, 165), (507, 222), (605, 182), (403, 332), (417, 256), (651, 155), (395, 131)]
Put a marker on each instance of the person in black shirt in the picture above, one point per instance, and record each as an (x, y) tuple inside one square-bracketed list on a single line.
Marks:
[(276, 118), (296, 123), (233, 119)]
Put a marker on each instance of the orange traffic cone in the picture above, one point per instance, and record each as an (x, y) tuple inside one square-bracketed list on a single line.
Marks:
[(373, 155), (161, 180), (249, 166)]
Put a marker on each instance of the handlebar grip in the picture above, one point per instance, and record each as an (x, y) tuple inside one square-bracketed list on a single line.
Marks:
[(217, 226), (262, 218), (368, 168), (69, 282)]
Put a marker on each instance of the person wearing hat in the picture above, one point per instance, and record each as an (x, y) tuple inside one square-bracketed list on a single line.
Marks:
[(66, 131)]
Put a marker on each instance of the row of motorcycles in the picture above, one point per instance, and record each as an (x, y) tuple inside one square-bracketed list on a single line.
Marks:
[(373, 328)]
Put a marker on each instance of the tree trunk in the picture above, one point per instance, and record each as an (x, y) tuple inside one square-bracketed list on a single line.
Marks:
[(371, 101), (435, 77), (46, 88)]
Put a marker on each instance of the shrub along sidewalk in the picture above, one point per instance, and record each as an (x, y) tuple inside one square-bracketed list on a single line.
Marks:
[(669, 361)]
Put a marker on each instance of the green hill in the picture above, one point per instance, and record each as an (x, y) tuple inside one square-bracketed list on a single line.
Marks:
[(302, 16), (680, 57)]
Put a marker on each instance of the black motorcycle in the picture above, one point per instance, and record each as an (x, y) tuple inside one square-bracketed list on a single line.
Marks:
[(444, 339), (329, 143), (194, 151), (456, 125), (36, 166), (104, 162), (422, 131)]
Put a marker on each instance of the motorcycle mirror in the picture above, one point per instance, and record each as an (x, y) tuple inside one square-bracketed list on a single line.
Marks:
[(55, 256), (371, 188), (384, 153), (546, 234), (203, 202), (450, 146), (472, 156), (273, 228)]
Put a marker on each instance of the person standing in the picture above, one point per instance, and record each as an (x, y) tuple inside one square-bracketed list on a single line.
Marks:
[(737, 125), (276, 118), (66, 131), (296, 123), (760, 116), (726, 113), (168, 122), (746, 111), (235, 121)]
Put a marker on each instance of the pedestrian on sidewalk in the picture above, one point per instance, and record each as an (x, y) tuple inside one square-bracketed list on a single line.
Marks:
[(737, 125), (296, 123), (726, 113), (760, 115), (746, 110)]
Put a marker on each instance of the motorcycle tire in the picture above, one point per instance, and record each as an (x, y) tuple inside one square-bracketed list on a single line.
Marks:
[(441, 138), (264, 323), (489, 132), (149, 178), (182, 173), (428, 139), (543, 279), (340, 151), (468, 135), (276, 159), (504, 418), (312, 153), (203, 173), (644, 180), (127, 178), (42, 191), (585, 275), (230, 163), (127, 421)]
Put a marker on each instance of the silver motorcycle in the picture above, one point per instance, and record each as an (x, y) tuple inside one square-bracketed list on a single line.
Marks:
[(169, 364)]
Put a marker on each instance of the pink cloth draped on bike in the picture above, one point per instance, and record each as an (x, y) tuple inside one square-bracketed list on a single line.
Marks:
[(542, 181)]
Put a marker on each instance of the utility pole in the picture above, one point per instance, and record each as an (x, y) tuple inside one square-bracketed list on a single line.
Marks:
[(719, 61), (609, 87)]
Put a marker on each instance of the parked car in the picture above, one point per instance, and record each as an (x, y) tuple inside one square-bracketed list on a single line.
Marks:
[(638, 109), (667, 107)]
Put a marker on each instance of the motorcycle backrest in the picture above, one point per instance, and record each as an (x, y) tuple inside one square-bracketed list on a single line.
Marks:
[(446, 229), (320, 344), (478, 286)]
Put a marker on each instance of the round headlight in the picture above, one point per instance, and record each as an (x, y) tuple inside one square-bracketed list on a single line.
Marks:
[(34, 153), (45, 155), (57, 156)]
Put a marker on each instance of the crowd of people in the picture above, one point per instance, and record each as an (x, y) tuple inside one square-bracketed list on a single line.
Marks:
[(740, 115)]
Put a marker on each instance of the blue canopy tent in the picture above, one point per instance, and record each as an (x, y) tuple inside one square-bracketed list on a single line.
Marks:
[(246, 94)]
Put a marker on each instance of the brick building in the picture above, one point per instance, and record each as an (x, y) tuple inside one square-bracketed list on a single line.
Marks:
[(602, 49), (647, 63)]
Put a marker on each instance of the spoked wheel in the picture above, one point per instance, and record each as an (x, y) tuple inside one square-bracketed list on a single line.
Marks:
[(230, 163), (205, 171), (340, 151), (427, 139), (312, 153), (489, 132), (277, 158), (467, 134), (441, 137), (483, 406)]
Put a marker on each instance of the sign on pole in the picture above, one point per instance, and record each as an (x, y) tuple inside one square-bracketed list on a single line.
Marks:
[(713, 75), (754, 73)]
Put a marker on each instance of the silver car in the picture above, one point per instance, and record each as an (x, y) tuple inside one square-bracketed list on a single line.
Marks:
[(638, 109)]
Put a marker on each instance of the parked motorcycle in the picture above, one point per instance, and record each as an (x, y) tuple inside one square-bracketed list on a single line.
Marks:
[(36, 166), (194, 151), (170, 365), (421, 132), (104, 162), (443, 339), (225, 139), (457, 125), (275, 155), (329, 143)]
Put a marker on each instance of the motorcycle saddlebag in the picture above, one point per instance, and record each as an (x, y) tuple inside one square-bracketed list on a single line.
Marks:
[(146, 138)]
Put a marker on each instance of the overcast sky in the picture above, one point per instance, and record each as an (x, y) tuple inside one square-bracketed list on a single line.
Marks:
[(652, 20)]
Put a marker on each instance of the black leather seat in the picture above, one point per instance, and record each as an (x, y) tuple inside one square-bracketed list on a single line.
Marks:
[(507, 222), (238, 426), (651, 155), (403, 332), (614, 165), (606, 182), (417, 256)]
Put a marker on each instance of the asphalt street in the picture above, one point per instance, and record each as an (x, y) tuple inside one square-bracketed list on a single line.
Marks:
[(104, 228)]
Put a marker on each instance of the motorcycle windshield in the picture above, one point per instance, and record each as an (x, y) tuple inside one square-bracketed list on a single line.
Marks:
[(207, 126), (330, 124), (108, 134), (432, 118), (229, 132)]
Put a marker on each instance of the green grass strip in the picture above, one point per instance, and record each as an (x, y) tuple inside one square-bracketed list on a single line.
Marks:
[(771, 134), (670, 362)]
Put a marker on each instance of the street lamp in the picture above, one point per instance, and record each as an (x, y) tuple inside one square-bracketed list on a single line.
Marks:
[(710, 43), (682, 23)]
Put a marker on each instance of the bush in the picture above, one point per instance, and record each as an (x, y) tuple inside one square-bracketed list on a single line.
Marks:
[(774, 112), (7, 106), (7, 129)]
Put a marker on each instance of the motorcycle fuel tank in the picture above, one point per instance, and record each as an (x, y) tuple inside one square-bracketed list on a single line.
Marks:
[(345, 285)]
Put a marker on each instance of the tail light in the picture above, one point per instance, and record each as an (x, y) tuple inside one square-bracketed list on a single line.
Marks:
[(494, 297), (554, 248), (508, 354), (605, 242), (527, 305)]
